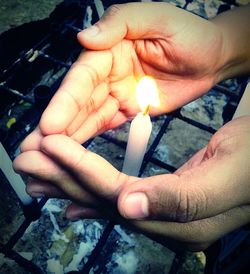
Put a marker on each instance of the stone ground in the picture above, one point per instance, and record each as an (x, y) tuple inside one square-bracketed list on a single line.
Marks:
[(12, 14)]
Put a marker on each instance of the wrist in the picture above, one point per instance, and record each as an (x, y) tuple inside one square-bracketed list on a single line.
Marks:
[(235, 53)]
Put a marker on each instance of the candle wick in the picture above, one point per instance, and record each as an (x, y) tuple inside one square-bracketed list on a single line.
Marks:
[(146, 110)]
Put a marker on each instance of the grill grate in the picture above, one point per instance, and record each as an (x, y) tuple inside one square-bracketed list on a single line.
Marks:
[(30, 80)]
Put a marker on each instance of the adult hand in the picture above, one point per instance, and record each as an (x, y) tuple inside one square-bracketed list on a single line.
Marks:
[(98, 94), (205, 199), (132, 40)]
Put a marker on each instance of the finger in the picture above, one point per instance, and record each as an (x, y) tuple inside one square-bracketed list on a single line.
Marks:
[(75, 212), (96, 100), (92, 171), (122, 21), (38, 188), (98, 121), (85, 75), (200, 192), (117, 120), (32, 141), (196, 235), (39, 166)]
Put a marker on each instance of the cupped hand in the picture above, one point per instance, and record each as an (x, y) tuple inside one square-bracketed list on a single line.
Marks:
[(205, 199), (182, 51)]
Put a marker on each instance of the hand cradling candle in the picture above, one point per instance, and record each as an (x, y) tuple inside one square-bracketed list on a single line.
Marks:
[(141, 126)]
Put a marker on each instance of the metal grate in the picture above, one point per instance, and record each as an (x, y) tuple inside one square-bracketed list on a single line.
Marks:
[(31, 74)]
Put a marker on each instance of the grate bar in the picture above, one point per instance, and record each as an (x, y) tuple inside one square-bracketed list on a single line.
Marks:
[(23, 55), (54, 60), (196, 123), (163, 164), (21, 230), (39, 49), (155, 143), (21, 261), (98, 248), (69, 26), (19, 233), (17, 93)]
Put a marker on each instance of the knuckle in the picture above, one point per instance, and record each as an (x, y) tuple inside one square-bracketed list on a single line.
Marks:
[(81, 159), (104, 116), (101, 121), (187, 205), (88, 70), (80, 68), (113, 10), (90, 106)]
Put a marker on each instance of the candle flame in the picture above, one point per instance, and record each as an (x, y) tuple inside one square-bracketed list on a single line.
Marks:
[(147, 94)]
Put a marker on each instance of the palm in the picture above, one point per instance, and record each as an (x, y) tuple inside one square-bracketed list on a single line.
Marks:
[(98, 93), (225, 209), (182, 73)]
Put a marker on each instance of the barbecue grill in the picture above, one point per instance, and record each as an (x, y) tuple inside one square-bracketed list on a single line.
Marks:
[(31, 71)]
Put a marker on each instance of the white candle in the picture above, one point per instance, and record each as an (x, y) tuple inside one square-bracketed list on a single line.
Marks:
[(99, 7), (14, 179), (139, 134), (141, 127), (244, 104)]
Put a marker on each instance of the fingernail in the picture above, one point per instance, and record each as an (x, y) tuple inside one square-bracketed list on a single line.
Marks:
[(71, 217), (37, 194), (91, 31), (136, 206)]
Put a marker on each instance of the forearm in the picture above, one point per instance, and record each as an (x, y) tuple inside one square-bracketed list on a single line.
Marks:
[(235, 29)]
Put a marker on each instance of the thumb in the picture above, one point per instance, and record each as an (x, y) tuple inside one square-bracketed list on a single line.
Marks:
[(200, 192), (130, 21)]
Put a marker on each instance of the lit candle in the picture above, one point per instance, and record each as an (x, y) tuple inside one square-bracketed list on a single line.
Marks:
[(244, 104), (14, 179), (141, 126)]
